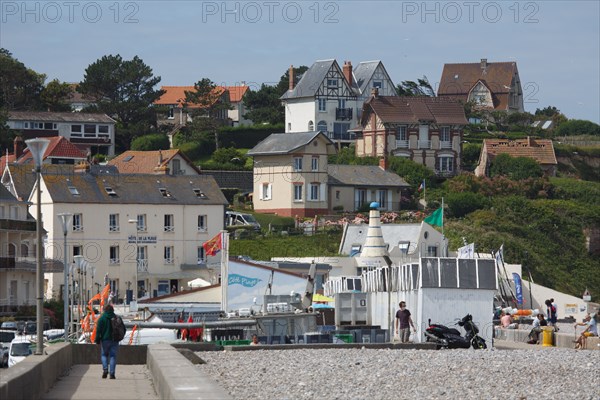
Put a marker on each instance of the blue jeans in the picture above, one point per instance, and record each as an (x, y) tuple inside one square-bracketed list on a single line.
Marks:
[(109, 351)]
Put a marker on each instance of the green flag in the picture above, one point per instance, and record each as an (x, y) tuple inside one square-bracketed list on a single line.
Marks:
[(436, 218)]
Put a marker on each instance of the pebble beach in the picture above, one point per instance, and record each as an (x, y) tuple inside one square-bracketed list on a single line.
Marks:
[(406, 374)]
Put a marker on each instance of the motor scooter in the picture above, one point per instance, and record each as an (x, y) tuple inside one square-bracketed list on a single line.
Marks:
[(450, 338)]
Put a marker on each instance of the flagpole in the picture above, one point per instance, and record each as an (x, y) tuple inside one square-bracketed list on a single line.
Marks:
[(442, 216), (224, 269)]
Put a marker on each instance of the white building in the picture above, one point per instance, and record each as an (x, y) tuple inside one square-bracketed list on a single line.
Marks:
[(329, 98), (159, 221)]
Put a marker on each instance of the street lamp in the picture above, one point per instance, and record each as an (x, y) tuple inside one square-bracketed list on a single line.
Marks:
[(65, 219), (38, 147), (137, 259)]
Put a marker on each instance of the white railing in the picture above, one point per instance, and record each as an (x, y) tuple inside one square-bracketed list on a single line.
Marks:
[(201, 229), (402, 144), (446, 145), (169, 261), (77, 228), (114, 228), (169, 229), (201, 261), (424, 144), (114, 261), (142, 265)]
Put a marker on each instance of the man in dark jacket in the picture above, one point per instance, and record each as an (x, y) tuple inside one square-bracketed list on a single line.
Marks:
[(105, 339)]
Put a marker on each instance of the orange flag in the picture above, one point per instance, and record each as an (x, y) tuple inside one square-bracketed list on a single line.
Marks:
[(214, 245)]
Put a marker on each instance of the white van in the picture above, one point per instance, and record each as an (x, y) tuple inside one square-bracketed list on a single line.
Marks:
[(20, 348), (6, 336), (234, 218)]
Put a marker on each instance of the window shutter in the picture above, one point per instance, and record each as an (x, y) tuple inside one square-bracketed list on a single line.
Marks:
[(269, 192), (261, 187), (323, 194)]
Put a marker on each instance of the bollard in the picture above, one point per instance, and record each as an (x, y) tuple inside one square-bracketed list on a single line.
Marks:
[(547, 336)]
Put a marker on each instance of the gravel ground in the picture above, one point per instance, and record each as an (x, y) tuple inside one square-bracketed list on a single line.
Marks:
[(406, 374)]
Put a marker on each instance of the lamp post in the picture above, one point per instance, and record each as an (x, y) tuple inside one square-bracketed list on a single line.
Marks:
[(65, 219), (38, 147), (137, 259)]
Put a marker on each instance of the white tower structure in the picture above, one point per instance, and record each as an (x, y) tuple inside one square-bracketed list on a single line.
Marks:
[(374, 245)]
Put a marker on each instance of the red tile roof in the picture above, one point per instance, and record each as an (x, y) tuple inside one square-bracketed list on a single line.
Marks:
[(458, 80), (236, 93), (393, 109), (541, 150), (175, 95), (59, 147), (146, 162)]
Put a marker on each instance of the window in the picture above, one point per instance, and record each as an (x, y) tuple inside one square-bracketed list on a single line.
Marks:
[(89, 128), (77, 223), (432, 251), (102, 128), (382, 195), (446, 164), (314, 192), (337, 194), (314, 164), (401, 133), (311, 126), (176, 167), (200, 193), (355, 250), (1, 211), (331, 82), (360, 197), (169, 255), (378, 84), (322, 105), (265, 191), (445, 134), (169, 223), (165, 192), (113, 223), (298, 188), (404, 246), (77, 251), (201, 257), (297, 163), (201, 223), (170, 114), (114, 255), (322, 126), (341, 103), (141, 222), (75, 128), (73, 190)]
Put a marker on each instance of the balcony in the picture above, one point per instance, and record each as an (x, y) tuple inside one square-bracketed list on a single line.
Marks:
[(114, 261), (114, 228), (343, 114), (402, 144), (444, 174), (341, 136), (169, 261), (142, 265), (445, 144), (17, 225), (169, 229), (424, 144)]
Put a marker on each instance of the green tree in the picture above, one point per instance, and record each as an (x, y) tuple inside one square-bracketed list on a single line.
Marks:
[(515, 168), (264, 105), (578, 127), (549, 112), (20, 87), (155, 141), (463, 203), (213, 106), (412, 172), (124, 90), (54, 96), (6, 135), (347, 156), (470, 156), (229, 156), (421, 87)]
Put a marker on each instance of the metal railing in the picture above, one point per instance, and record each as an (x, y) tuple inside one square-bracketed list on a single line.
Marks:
[(424, 144), (401, 144), (142, 265), (445, 144), (341, 136), (343, 113)]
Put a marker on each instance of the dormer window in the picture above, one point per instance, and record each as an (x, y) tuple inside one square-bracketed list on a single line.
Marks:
[(200, 193), (110, 191), (165, 192), (332, 83), (72, 188)]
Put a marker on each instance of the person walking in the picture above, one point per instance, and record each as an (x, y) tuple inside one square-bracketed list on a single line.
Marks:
[(551, 315), (405, 321), (104, 337)]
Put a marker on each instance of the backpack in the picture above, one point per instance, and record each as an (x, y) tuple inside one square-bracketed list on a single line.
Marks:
[(118, 328)]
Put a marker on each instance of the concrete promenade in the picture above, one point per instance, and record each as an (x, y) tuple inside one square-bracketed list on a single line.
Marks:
[(84, 382)]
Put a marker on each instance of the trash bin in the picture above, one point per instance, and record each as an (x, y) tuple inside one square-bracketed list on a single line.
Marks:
[(547, 336)]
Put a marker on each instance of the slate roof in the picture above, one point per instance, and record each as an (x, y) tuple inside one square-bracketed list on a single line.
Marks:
[(458, 79), (176, 95), (392, 235), (541, 150), (362, 175), (59, 147), (243, 180), (134, 189), (310, 81), (59, 117), (285, 143), (412, 110), (145, 162), (23, 177), (363, 73), (6, 196)]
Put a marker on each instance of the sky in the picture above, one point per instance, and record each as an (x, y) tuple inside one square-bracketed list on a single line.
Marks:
[(556, 44)]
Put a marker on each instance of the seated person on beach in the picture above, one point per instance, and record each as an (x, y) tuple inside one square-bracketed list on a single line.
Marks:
[(506, 321), (592, 329), (254, 341), (538, 322)]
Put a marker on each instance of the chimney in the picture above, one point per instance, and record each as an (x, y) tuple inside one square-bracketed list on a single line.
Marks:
[(483, 63), (291, 72), (375, 92), (348, 72), (383, 164), (18, 147)]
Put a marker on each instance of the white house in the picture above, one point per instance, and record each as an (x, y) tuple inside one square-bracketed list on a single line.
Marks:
[(120, 220), (329, 98)]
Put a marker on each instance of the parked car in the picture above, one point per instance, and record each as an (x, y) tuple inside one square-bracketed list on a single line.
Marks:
[(6, 336), (9, 325), (20, 347), (234, 218)]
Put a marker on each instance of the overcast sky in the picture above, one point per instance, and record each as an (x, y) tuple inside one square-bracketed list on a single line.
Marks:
[(556, 44)]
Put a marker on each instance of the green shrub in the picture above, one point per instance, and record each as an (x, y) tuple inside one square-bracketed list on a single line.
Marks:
[(577, 127), (155, 141), (461, 204), (516, 168)]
